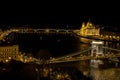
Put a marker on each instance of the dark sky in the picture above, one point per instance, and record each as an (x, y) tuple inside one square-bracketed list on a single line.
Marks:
[(67, 14), (71, 19)]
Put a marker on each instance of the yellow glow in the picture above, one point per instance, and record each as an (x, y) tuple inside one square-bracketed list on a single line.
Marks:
[(106, 36), (89, 29), (6, 60), (47, 30), (96, 42), (110, 36), (9, 57), (7, 52), (114, 37)]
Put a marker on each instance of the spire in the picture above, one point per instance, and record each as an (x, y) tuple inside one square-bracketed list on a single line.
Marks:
[(89, 24), (89, 20)]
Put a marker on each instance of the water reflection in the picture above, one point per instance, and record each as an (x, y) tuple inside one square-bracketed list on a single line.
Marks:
[(84, 46), (105, 74)]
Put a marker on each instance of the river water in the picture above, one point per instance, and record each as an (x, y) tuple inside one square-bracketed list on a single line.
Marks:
[(55, 45)]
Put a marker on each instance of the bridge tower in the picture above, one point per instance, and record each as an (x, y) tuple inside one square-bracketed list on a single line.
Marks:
[(97, 48)]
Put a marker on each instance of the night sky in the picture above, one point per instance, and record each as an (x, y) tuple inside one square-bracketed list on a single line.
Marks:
[(60, 17)]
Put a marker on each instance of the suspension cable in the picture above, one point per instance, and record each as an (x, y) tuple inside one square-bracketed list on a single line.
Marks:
[(74, 54), (111, 48)]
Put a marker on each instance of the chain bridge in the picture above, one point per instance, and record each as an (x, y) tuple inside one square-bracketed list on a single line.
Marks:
[(96, 52)]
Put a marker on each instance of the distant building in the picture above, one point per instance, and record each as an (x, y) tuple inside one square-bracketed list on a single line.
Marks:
[(89, 29), (9, 52)]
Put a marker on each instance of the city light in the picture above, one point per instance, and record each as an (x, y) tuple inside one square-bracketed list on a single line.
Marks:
[(97, 42), (96, 52)]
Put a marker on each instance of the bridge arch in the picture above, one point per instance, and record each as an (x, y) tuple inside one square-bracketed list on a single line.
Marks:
[(97, 49)]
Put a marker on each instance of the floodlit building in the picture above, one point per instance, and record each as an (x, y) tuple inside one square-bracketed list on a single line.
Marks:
[(89, 29), (9, 52)]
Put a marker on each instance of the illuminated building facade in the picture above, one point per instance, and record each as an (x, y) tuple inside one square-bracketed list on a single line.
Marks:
[(89, 29), (9, 52)]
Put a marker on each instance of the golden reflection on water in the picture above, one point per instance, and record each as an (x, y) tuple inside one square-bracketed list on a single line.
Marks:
[(97, 73), (84, 46), (105, 74)]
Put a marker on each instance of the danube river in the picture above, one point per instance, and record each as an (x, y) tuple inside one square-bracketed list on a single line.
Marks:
[(44, 46)]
